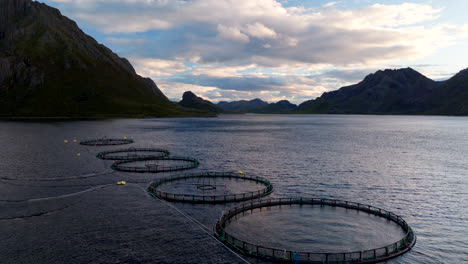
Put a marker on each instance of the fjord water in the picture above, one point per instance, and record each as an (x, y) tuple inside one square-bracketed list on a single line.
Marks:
[(307, 228), (61, 205)]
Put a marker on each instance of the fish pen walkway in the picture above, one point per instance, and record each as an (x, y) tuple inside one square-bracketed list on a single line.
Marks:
[(290, 256), (155, 168), (106, 142), (217, 198), (133, 154)]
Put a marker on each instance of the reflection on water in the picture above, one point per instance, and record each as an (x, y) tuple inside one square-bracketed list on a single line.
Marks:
[(414, 166)]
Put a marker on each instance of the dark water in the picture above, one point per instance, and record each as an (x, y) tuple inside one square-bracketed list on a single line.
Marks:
[(59, 204)]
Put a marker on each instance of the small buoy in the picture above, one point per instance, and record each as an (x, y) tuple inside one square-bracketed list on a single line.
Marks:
[(78, 154), (65, 141), (125, 137), (241, 172), (121, 183), (75, 140)]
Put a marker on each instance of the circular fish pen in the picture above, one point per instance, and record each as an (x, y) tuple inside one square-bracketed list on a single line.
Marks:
[(155, 165), (106, 142), (133, 154), (404, 243), (211, 187)]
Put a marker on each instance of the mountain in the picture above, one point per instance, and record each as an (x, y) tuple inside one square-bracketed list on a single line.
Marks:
[(49, 67), (282, 106), (242, 106), (402, 91), (190, 100), (257, 106), (451, 97)]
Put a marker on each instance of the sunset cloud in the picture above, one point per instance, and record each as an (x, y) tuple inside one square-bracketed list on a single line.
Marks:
[(265, 45)]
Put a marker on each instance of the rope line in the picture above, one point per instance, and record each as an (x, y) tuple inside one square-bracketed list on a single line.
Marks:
[(196, 222), (48, 186), (84, 176), (60, 196)]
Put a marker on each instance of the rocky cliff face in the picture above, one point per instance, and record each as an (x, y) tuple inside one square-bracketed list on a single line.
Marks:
[(49, 67)]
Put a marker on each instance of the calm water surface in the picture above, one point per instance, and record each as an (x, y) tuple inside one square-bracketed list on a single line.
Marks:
[(315, 229), (415, 167)]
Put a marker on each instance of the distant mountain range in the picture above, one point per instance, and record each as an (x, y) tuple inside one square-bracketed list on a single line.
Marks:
[(50, 68), (243, 105), (402, 91), (257, 106), (190, 100)]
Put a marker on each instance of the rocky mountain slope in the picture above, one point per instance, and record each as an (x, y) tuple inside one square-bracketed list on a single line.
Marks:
[(49, 67), (403, 91), (190, 100), (451, 96)]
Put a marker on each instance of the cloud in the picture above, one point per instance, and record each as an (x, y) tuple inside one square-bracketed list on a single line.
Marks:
[(243, 83), (463, 31), (112, 23), (174, 91), (157, 67), (259, 30), (218, 82), (126, 41), (262, 47), (232, 33), (330, 4), (341, 75), (377, 15), (217, 70)]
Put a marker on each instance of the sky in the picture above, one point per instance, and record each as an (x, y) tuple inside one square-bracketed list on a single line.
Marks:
[(226, 50)]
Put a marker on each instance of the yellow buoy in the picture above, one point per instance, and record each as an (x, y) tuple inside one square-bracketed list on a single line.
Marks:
[(75, 140), (78, 154), (65, 141), (241, 172), (125, 137), (121, 183)]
